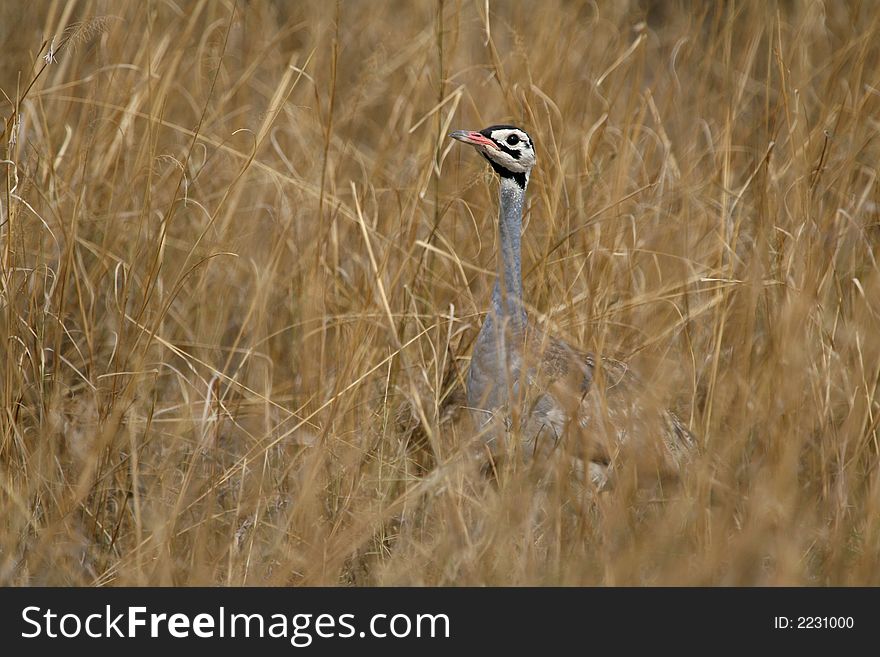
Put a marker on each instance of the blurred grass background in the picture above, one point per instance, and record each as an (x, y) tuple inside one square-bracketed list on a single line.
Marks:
[(241, 267)]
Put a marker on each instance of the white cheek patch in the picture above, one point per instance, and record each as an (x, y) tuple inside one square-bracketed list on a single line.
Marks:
[(522, 164), (506, 160)]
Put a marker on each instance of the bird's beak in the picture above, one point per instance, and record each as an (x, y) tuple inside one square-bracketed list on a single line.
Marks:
[(472, 138)]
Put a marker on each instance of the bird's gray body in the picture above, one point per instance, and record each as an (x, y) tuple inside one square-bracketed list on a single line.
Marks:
[(497, 356), (525, 383)]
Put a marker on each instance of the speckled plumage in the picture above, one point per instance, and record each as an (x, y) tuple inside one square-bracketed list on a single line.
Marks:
[(525, 383)]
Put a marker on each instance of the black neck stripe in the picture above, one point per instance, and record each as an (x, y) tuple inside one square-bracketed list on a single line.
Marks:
[(518, 177)]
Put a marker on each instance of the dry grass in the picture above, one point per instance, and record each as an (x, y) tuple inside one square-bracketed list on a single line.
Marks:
[(242, 266)]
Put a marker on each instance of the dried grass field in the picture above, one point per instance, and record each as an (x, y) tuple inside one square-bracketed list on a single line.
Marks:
[(242, 266)]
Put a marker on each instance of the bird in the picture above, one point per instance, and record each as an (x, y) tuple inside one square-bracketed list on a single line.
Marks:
[(526, 383)]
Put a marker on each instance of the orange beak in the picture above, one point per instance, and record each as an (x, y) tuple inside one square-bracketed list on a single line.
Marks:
[(472, 138)]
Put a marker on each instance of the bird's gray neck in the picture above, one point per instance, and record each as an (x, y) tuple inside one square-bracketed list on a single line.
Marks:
[(507, 296)]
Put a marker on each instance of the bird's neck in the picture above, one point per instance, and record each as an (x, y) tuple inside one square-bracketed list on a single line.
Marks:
[(507, 296)]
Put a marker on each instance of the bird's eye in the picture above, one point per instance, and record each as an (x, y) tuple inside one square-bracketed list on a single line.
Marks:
[(513, 140)]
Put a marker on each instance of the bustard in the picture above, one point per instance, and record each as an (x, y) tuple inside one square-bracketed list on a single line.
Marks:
[(542, 388)]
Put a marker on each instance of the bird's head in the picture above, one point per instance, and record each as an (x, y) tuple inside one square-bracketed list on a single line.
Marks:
[(507, 148)]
